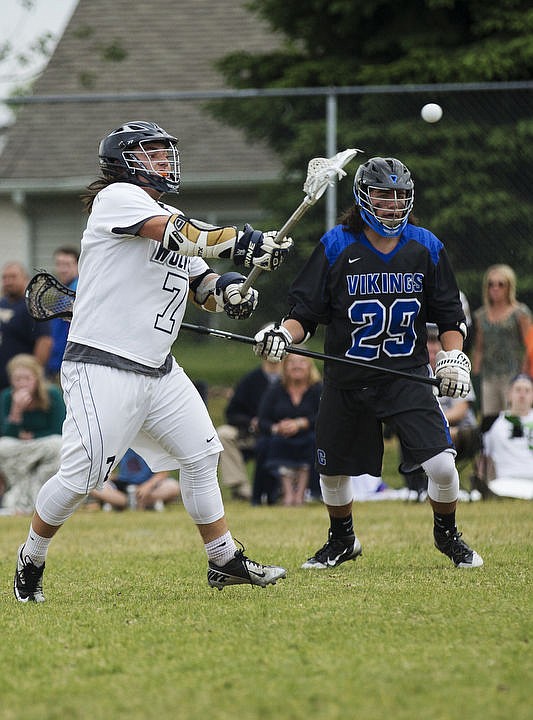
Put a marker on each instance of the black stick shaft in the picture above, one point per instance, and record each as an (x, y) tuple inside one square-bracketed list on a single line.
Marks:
[(202, 330)]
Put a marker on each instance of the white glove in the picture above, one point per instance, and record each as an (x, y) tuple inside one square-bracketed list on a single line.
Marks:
[(229, 298), (453, 370), (274, 253), (254, 248), (272, 342)]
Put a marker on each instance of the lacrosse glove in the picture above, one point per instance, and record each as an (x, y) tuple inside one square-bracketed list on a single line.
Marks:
[(453, 370), (272, 342), (254, 248), (228, 296)]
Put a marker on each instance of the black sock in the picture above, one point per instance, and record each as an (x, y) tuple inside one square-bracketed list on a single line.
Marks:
[(444, 522), (341, 527)]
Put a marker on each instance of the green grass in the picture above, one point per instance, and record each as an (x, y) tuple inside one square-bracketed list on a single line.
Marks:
[(131, 630)]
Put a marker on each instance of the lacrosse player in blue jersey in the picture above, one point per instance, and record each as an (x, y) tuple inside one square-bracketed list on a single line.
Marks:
[(140, 260), (374, 281)]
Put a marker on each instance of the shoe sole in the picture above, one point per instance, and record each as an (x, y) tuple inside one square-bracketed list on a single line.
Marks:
[(220, 585)]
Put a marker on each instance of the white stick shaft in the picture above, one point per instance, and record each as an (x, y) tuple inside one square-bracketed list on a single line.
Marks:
[(302, 208), (320, 173)]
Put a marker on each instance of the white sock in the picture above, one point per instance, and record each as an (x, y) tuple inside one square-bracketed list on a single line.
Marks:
[(36, 547), (221, 550)]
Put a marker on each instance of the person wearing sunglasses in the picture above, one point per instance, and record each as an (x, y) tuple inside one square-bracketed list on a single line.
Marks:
[(501, 326)]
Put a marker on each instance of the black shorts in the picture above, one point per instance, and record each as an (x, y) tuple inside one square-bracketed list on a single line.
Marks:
[(349, 431)]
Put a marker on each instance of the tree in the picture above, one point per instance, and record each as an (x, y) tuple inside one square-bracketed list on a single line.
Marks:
[(20, 66), (473, 170)]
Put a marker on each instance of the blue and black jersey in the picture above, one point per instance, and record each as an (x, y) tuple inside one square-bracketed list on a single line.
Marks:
[(375, 306)]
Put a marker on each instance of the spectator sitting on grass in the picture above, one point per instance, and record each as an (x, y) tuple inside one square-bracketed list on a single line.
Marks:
[(31, 418), (509, 443), (136, 486)]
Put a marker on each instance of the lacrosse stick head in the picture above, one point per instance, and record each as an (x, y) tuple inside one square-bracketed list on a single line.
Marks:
[(322, 173), (47, 298)]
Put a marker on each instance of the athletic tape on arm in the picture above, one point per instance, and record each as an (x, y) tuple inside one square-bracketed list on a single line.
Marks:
[(195, 238)]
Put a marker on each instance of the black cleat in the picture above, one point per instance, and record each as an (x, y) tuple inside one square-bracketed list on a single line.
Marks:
[(334, 552), (240, 570), (449, 542), (28, 583)]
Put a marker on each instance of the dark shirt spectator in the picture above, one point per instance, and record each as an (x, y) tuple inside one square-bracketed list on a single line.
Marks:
[(19, 333), (38, 422), (287, 417), (239, 435), (66, 270)]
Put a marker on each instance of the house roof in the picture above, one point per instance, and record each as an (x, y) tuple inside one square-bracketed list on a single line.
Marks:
[(120, 47)]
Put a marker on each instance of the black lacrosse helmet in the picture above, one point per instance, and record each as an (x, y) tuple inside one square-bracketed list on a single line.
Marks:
[(125, 155), (384, 174)]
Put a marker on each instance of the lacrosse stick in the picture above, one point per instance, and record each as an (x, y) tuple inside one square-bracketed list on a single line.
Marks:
[(321, 174), (202, 330), (47, 298)]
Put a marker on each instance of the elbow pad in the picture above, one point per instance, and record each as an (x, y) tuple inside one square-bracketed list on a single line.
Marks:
[(195, 238)]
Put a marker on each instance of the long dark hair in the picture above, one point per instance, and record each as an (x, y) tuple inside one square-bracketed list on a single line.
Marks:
[(87, 197), (351, 219)]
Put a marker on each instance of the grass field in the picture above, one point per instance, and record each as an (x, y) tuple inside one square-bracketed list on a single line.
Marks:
[(131, 630)]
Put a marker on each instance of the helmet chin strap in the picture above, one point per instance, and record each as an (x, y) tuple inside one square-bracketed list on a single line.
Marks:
[(379, 227)]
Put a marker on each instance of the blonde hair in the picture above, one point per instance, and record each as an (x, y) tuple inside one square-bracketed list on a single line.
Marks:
[(313, 375), (508, 275), (29, 362)]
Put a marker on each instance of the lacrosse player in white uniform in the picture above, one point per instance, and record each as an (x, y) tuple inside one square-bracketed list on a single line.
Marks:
[(140, 260)]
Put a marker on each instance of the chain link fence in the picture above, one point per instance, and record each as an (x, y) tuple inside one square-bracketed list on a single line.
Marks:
[(473, 169)]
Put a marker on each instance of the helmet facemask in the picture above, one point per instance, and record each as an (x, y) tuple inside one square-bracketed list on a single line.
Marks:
[(385, 210), (158, 166)]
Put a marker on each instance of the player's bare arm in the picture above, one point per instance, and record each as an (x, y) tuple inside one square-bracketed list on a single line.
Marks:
[(451, 340), (296, 330)]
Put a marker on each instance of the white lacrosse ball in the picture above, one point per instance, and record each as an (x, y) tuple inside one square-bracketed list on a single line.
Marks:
[(431, 112)]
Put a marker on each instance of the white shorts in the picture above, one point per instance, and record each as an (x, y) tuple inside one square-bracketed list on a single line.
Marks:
[(108, 411)]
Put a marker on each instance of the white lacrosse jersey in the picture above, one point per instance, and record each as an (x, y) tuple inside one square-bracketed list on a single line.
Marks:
[(132, 292)]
